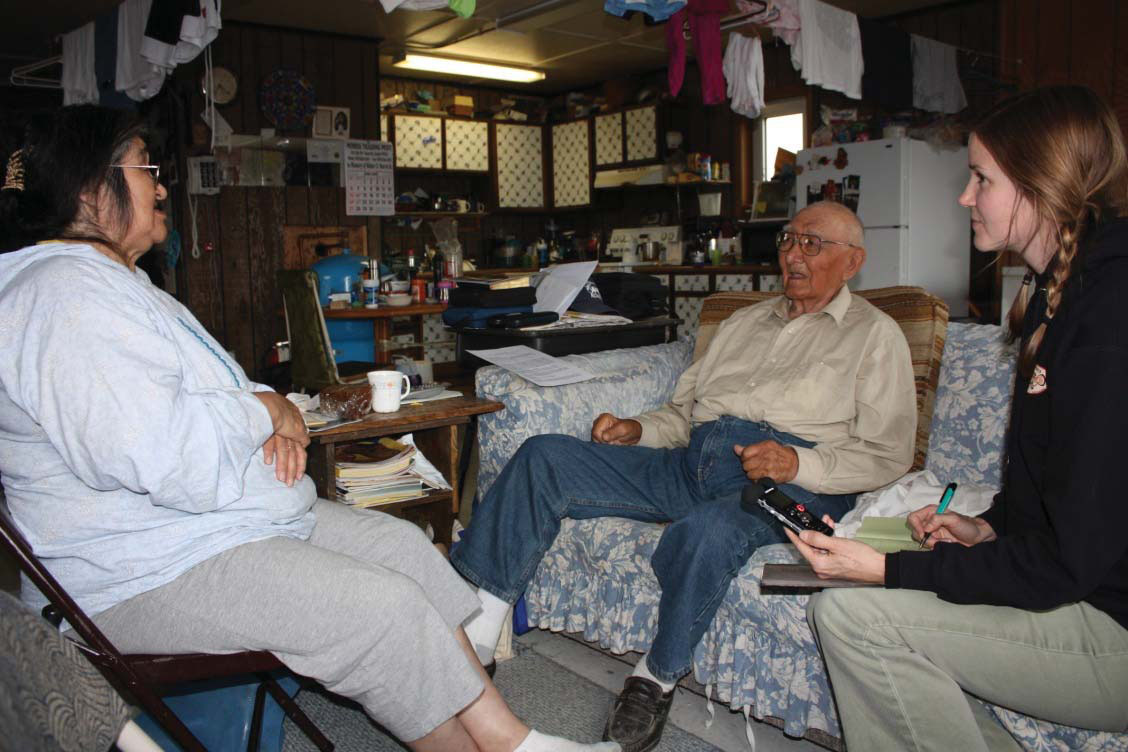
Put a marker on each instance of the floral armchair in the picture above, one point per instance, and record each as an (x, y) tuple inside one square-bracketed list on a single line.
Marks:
[(759, 656)]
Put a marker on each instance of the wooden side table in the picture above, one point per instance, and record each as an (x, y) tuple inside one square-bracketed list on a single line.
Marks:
[(381, 319), (434, 428)]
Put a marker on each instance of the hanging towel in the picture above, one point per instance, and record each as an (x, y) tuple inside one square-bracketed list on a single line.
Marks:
[(828, 51), (744, 71), (179, 30), (135, 75), (80, 84), (936, 77), (705, 26), (162, 31), (888, 57), (781, 16), (198, 30), (658, 10)]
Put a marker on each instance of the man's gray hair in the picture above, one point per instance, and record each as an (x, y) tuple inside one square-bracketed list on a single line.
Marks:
[(855, 233)]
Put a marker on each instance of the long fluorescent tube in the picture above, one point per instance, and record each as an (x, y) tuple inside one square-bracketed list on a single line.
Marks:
[(467, 68)]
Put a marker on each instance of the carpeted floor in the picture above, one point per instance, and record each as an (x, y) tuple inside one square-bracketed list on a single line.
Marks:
[(542, 692)]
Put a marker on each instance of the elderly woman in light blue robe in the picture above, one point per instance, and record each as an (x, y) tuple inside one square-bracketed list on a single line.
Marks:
[(166, 491)]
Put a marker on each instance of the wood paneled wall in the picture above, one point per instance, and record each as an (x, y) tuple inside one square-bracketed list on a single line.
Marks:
[(343, 70), (1068, 41), (232, 286)]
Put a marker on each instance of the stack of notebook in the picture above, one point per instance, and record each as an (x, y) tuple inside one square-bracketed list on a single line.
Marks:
[(371, 473)]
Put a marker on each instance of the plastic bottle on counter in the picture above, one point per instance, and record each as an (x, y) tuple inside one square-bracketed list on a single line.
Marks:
[(371, 293), (437, 267), (411, 267), (442, 289)]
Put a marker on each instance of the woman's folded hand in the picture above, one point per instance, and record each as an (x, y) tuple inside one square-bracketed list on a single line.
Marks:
[(288, 456), (285, 417)]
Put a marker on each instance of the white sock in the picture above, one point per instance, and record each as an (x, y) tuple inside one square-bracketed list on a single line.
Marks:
[(484, 627), (538, 742), (643, 671)]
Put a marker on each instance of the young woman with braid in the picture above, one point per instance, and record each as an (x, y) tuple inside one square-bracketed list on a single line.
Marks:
[(1026, 605)]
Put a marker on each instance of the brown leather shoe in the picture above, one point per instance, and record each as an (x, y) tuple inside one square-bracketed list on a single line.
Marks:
[(639, 715)]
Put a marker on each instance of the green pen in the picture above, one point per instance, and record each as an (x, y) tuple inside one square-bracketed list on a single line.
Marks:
[(945, 500)]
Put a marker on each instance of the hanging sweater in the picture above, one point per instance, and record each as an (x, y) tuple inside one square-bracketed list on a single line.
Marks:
[(130, 441), (1061, 519)]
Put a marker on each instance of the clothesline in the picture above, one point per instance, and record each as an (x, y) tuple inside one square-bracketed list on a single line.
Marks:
[(744, 19)]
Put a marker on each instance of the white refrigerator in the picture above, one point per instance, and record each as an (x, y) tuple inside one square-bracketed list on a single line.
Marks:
[(905, 192)]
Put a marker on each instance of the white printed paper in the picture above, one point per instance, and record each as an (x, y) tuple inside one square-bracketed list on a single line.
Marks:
[(369, 179), (423, 467), (533, 365), (561, 285)]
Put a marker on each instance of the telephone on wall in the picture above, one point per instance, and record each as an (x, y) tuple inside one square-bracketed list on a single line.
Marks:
[(203, 176)]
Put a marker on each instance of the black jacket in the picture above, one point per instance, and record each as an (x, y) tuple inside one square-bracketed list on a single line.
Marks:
[(1062, 517)]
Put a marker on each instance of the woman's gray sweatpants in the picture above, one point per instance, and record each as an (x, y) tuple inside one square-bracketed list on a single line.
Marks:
[(366, 606)]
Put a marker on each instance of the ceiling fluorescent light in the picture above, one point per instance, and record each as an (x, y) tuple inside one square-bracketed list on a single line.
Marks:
[(467, 68)]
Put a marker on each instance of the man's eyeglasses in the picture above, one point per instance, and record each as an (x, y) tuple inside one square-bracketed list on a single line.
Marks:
[(153, 170), (809, 245)]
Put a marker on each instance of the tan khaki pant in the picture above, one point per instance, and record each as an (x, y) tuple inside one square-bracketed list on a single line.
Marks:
[(901, 661)]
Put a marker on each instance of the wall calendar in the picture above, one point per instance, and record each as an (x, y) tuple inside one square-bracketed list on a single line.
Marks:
[(369, 179)]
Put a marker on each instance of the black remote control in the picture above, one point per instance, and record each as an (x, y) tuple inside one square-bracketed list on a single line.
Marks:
[(766, 495)]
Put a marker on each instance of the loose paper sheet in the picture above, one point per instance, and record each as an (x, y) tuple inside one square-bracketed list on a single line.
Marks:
[(533, 365), (369, 179), (561, 285)]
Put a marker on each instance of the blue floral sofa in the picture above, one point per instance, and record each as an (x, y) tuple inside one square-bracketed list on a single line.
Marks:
[(759, 656)]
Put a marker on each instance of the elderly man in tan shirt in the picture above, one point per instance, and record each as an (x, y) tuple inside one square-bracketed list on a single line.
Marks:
[(813, 389)]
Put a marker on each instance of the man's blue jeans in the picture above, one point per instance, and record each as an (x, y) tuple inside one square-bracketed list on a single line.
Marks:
[(696, 488)]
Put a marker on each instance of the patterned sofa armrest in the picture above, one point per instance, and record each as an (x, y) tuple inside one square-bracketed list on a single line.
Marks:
[(628, 382), (973, 398)]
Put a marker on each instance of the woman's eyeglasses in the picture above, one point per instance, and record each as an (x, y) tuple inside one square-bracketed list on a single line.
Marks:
[(153, 170), (809, 245)]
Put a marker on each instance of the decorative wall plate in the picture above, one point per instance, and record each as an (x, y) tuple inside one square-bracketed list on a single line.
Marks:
[(288, 100)]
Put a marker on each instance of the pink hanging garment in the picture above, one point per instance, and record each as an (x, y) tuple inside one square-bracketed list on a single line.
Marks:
[(705, 26)]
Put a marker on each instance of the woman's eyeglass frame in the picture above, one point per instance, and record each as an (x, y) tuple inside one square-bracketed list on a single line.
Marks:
[(787, 238), (153, 170)]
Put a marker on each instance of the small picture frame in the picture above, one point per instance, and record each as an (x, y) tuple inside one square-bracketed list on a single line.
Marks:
[(332, 122), (772, 200)]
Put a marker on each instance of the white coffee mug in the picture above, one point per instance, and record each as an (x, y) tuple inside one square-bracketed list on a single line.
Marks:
[(388, 388)]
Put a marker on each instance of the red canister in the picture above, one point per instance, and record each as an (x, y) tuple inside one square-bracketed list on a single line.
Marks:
[(419, 289)]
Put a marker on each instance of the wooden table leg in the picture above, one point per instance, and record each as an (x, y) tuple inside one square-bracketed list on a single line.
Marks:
[(321, 467), (442, 522), (381, 332)]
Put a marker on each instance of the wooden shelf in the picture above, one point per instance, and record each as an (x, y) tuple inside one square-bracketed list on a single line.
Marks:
[(764, 221), (476, 215), (696, 184)]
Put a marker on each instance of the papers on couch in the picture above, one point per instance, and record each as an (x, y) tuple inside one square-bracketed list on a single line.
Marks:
[(533, 365), (909, 493)]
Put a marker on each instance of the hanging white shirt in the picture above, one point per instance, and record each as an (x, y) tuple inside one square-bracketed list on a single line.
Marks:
[(828, 51), (136, 76), (744, 71), (80, 84), (936, 76)]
